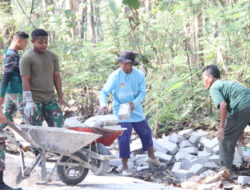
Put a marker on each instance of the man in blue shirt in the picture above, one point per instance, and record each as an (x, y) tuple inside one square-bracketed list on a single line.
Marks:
[(128, 85)]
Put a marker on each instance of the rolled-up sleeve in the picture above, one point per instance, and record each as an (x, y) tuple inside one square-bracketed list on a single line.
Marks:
[(25, 66), (217, 96)]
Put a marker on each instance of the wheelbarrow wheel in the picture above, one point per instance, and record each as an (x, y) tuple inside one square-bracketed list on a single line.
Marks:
[(101, 165), (72, 175)]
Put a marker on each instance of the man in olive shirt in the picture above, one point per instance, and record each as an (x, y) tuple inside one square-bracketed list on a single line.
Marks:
[(233, 101), (40, 72)]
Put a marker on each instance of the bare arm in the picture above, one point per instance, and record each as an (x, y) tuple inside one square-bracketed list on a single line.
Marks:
[(58, 84), (223, 115), (26, 83)]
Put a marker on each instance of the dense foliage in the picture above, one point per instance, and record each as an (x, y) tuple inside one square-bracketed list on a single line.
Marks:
[(175, 39)]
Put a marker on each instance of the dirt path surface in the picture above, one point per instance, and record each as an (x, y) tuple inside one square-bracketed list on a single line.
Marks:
[(13, 178)]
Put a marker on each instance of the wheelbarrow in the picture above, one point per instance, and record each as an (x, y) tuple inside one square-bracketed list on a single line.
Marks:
[(108, 135), (72, 148)]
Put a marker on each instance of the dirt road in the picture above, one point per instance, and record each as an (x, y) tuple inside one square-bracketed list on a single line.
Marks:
[(91, 182)]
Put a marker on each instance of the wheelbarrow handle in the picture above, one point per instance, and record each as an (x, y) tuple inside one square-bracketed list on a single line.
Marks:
[(22, 134)]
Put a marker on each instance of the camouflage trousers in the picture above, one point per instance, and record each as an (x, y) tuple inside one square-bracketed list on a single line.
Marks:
[(50, 112), (12, 104), (2, 150)]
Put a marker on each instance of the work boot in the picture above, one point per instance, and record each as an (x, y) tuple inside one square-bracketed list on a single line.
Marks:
[(3, 186)]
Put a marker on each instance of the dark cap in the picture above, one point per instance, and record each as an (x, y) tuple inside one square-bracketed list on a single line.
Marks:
[(127, 56)]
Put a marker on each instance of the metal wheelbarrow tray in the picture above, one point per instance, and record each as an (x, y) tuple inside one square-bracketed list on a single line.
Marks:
[(108, 133), (67, 144)]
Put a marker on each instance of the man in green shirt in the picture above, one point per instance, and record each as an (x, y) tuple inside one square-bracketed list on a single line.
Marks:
[(11, 87), (233, 101), (40, 73), (11, 93)]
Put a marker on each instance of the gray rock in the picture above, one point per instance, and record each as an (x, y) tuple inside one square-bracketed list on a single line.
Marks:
[(197, 169), (190, 150), (176, 138), (185, 164), (185, 143), (182, 174), (183, 156), (142, 168), (214, 158), (243, 180), (216, 149), (186, 133), (195, 136), (177, 166), (115, 162), (158, 146), (169, 146), (162, 156), (211, 165), (140, 162), (204, 154), (198, 160)]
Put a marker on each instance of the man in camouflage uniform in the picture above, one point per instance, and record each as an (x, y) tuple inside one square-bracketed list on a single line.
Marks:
[(11, 91), (13, 103), (3, 186), (40, 73), (11, 87)]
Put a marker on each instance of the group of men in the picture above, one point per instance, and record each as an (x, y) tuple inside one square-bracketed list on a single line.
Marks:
[(38, 74), (28, 86)]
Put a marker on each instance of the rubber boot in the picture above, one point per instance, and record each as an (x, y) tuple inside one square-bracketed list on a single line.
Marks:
[(3, 186)]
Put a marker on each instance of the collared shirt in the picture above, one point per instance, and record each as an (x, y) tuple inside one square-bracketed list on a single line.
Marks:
[(125, 88), (236, 95)]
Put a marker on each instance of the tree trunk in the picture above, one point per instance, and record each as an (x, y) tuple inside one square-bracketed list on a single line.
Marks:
[(92, 24), (199, 36), (83, 29), (71, 5), (7, 29), (142, 3), (46, 3), (149, 5), (98, 20)]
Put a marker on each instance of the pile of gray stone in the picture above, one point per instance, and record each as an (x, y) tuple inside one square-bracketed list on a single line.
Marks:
[(192, 152), (189, 152)]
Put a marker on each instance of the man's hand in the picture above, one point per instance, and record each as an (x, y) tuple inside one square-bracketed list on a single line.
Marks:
[(132, 106), (220, 134), (30, 106), (62, 102), (103, 110), (29, 109), (3, 118)]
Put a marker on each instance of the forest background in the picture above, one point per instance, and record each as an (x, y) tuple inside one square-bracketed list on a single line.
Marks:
[(174, 40)]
